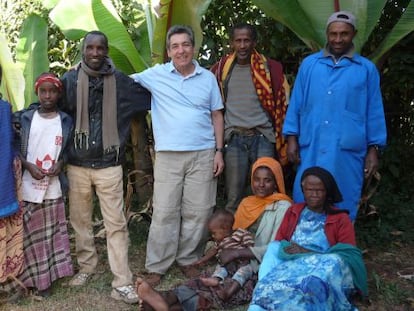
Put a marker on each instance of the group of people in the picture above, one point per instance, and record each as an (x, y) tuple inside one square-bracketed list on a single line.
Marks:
[(271, 252)]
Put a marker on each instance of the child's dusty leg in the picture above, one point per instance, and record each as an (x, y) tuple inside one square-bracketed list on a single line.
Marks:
[(211, 281), (150, 296)]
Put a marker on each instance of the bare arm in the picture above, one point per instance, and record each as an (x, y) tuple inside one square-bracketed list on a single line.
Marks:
[(228, 255), (371, 161), (207, 256), (218, 124), (293, 149)]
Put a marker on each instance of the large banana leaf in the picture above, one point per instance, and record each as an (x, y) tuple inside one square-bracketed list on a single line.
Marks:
[(12, 86), (31, 53), (76, 17), (171, 12), (403, 27), (307, 19)]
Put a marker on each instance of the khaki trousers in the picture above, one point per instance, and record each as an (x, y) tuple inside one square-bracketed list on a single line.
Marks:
[(108, 185), (184, 197)]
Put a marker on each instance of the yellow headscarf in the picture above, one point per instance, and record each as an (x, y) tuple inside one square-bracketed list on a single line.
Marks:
[(252, 207)]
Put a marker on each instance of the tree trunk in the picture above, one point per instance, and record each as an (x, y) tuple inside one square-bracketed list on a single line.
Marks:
[(141, 140)]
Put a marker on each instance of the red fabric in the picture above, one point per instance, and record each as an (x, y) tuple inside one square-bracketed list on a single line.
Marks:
[(338, 227), (48, 77)]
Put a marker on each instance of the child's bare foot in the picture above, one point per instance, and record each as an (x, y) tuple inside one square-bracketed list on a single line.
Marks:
[(150, 296), (211, 281)]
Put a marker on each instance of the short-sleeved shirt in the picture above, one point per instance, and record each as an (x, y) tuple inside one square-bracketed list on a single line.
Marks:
[(181, 107)]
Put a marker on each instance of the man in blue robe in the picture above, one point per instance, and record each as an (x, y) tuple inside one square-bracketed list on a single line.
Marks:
[(336, 118)]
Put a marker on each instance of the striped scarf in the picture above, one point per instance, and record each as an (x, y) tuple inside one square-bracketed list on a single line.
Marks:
[(110, 137)]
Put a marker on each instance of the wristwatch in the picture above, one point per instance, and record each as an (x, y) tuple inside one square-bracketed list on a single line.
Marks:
[(219, 149)]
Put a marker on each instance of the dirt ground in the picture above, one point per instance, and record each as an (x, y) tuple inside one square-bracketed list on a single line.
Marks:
[(390, 278), (391, 284)]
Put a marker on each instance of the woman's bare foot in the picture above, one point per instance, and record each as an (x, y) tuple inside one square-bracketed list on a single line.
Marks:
[(150, 296), (211, 281)]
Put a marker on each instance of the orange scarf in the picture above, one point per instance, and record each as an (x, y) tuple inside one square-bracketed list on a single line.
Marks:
[(271, 93), (252, 207)]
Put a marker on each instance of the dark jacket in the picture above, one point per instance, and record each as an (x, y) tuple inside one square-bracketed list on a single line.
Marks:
[(131, 97), (24, 118)]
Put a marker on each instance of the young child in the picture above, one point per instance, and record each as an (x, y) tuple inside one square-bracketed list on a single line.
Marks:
[(43, 136), (220, 226)]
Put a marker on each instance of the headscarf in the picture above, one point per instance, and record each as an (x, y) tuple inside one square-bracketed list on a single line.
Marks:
[(333, 194), (252, 207), (110, 136), (48, 77)]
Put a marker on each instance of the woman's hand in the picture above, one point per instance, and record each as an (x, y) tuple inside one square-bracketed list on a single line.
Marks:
[(55, 169), (295, 249), (35, 171)]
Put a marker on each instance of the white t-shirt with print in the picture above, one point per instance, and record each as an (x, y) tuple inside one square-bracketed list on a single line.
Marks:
[(45, 144)]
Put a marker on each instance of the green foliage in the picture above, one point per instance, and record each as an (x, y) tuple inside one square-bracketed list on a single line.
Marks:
[(403, 27), (31, 53), (394, 200), (389, 291), (12, 83), (169, 12), (307, 19), (134, 17), (274, 39), (99, 15), (395, 197), (12, 16)]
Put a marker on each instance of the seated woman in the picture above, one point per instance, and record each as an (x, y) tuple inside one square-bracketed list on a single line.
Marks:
[(313, 264), (261, 214)]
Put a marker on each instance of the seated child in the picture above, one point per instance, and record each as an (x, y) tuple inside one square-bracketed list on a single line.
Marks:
[(220, 226)]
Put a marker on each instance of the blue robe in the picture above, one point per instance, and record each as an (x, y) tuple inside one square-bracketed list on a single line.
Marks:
[(317, 281), (8, 201), (336, 112)]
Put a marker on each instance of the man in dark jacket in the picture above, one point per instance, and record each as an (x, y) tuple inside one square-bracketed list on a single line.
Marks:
[(101, 101)]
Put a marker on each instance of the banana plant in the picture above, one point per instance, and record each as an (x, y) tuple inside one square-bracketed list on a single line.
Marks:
[(31, 60), (87, 15), (31, 53), (307, 19), (403, 27), (170, 12), (12, 82)]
